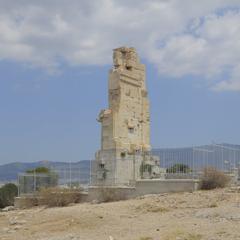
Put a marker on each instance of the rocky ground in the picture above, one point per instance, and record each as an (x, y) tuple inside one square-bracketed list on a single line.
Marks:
[(210, 215)]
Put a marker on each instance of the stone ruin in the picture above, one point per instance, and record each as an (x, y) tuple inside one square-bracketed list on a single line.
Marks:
[(125, 136)]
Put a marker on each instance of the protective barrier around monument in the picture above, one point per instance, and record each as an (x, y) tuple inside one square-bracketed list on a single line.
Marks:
[(29, 183), (176, 163), (65, 177), (190, 162)]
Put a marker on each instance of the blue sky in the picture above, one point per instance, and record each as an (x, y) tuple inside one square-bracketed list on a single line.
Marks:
[(54, 62)]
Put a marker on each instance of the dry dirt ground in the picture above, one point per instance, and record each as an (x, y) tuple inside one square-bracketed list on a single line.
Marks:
[(210, 215)]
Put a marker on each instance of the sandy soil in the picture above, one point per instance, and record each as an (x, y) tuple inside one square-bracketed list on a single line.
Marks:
[(210, 215)]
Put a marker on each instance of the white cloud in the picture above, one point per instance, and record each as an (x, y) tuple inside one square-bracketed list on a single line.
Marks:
[(211, 50), (179, 37)]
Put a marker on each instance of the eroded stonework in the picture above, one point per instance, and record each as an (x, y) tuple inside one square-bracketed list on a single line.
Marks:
[(125, 137)]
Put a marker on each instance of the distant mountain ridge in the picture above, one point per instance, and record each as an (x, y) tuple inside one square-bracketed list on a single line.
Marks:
[(9, 172)]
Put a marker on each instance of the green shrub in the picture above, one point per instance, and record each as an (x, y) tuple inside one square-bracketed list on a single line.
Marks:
[(179, 168), (7, 194), (43, 170), (213, 178)]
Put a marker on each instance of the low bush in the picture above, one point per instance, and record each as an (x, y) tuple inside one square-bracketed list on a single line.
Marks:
[(111, 194), (179, 168), (58, 197), (213, 178), (7, 194)]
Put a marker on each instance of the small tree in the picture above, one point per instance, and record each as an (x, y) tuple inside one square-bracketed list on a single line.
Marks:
[(35, 179), (179, 168), (43, 170), (7, 194)]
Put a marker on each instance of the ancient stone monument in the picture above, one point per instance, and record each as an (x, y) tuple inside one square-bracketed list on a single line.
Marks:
[(125, 139)]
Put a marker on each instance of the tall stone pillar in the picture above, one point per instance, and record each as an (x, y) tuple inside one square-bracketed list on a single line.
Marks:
[(125, 135)]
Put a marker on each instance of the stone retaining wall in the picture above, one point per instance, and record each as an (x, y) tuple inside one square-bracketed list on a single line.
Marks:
[(142, 187)]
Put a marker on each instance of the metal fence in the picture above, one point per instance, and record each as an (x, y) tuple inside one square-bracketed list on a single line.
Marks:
[(190, 162), (175, 163), (64, 177), (29, 183)]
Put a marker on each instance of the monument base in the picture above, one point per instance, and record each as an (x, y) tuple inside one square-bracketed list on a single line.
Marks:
[(113, 168)]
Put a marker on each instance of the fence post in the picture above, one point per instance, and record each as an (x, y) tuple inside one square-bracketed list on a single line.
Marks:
[(18, 186), (193, 165), (34, 179), (70, 174)]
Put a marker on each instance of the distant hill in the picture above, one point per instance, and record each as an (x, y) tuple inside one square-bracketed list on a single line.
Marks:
[(81, 169)]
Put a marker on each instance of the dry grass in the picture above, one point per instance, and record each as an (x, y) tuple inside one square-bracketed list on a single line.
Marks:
[(213, 178), (58, 197), (146, 238), (189, 218), (152, 208), (157, 209), (213, 205), (194, 237), (181, 235), (111, 194)]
